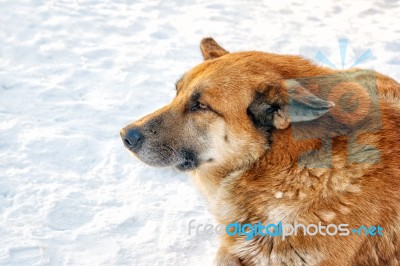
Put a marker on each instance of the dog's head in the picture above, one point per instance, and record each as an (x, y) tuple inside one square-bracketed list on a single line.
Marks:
[(223, 115)]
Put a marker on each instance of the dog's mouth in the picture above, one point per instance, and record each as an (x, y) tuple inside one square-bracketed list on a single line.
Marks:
[(167, 156), (187, 158), (189, 161)]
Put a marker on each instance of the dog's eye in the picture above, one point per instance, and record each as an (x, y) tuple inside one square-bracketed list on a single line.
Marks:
[(198, 107)]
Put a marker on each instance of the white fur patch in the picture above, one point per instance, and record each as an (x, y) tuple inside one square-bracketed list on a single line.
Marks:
[(327, 215), (344, 210)]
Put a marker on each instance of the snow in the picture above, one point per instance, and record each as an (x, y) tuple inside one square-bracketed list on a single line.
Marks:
[(72, 73)]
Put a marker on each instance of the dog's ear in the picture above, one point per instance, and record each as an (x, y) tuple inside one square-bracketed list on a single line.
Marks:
[(210, 49), (290, 103)]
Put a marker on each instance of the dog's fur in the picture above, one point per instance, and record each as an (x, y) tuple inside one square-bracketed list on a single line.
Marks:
[(230, 127)]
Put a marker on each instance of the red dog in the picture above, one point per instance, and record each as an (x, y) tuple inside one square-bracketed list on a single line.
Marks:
[(274, 138)]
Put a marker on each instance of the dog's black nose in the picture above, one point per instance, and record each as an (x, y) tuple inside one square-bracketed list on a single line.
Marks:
[(132, 138)]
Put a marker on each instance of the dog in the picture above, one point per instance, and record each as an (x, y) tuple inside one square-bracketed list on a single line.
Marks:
[(277, 139)]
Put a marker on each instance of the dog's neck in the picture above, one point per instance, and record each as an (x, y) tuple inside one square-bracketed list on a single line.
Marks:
[(279, 157), (286, 149), (209, 181)]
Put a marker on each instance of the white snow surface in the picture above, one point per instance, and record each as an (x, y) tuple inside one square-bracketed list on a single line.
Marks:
[(72, 73)]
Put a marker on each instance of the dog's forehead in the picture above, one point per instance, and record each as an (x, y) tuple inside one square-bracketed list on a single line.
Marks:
[(213, 76)]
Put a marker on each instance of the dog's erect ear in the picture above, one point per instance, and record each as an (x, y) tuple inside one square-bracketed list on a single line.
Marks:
[(300, 106), (210, 49)]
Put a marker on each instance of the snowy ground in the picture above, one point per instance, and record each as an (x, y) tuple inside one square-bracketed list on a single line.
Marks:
[(72, 73)]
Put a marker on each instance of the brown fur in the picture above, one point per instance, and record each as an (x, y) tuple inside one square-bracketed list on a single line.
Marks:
[(250, 176)]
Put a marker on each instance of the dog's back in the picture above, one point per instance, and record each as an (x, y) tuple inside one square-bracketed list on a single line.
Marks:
[(360, 186)]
